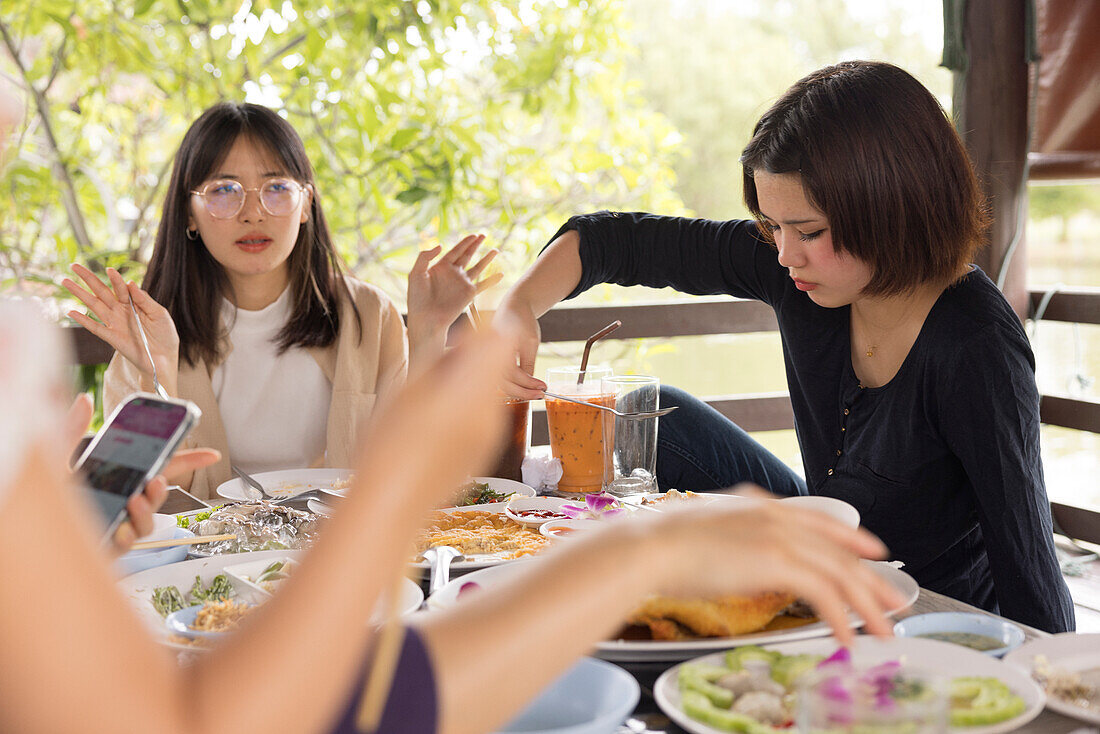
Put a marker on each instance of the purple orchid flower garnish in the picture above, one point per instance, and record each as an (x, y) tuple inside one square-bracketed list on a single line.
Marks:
[(842, 656), (467, 587), (596, 506)]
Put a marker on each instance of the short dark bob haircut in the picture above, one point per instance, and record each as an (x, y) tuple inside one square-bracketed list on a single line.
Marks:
[(879, 157), (185, 279)]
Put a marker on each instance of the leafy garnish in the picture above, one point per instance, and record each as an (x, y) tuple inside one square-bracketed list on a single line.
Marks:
[(478, 493), (219, 589), (167, 599), (273, 572), (185, 522)]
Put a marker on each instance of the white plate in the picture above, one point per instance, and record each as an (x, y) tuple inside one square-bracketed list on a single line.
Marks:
[(837, 509), (1068, 651), (138, 588), (553, 529), (475, 561), (538, 504), (636, 651), (287, 483), (502, 486), (944, 658)]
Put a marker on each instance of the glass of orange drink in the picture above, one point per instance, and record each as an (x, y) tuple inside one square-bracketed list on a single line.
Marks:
[(578, 433)]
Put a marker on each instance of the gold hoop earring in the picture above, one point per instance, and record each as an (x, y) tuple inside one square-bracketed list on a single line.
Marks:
[(192, 234)]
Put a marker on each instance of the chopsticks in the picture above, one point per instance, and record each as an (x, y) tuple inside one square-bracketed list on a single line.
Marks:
[(380, 677), (475, 317), (168, 543)]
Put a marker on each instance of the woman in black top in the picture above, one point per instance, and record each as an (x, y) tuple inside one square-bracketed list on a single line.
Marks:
[(911, 378)]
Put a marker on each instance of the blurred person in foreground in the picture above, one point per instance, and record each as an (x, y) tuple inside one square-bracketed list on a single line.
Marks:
[(140, 507), (75, 657)]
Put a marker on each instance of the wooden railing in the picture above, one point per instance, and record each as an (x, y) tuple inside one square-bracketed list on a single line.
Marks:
[(762, 411)]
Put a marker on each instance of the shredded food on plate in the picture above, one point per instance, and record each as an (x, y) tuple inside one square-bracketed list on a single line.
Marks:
[(479, 532), (220, 616)]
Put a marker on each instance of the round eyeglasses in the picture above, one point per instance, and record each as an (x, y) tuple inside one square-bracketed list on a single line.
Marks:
[(224, 198)]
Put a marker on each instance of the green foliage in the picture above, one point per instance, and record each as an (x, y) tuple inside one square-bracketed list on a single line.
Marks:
[(713, 67), (424, 120), (1062, 202)]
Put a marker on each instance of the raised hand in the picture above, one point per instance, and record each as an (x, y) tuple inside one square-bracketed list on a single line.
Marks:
[(116, 325), (440, 292)]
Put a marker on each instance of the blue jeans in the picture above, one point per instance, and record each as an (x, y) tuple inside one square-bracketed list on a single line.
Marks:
[(699, 449)]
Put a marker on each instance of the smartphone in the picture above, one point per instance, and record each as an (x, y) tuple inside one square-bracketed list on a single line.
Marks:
[(182, 502), (134, 444)]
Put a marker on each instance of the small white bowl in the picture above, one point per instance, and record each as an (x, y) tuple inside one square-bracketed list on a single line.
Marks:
[(837, 509), (548, 508), (179, 623), (592, 697), (559, 529), (987, 625), (140, 560)]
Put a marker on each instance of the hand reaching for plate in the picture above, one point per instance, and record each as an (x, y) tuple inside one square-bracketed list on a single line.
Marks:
[(752, 547)]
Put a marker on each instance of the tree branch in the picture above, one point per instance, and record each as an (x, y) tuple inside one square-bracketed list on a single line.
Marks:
[(68, 189)]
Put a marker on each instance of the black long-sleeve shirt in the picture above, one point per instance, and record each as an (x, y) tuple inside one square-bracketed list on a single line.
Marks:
[(942, 462)]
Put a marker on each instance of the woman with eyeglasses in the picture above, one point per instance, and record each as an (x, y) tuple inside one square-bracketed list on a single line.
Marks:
[(249, 313)]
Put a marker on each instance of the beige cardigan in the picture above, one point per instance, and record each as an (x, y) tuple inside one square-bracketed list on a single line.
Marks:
[(360, 373)]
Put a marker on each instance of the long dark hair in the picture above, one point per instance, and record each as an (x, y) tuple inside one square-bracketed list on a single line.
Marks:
[(879, 157), (185, 279)]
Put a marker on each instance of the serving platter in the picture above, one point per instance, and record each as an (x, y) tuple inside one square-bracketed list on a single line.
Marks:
[(138, 588), (635, 651), (932, 656), (475, 561)]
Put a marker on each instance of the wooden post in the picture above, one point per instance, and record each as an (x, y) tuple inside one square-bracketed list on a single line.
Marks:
[(991, 113)]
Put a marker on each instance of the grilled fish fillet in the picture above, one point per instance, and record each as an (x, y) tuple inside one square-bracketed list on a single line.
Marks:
[(676, 619)]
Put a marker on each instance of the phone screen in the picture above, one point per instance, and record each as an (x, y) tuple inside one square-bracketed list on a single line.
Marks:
[(127, 449)]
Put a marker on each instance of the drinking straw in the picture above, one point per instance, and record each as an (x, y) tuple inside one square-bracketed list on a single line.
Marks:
[(588, 346)]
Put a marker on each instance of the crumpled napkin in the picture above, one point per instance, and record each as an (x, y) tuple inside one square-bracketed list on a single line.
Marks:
[(541, 472)]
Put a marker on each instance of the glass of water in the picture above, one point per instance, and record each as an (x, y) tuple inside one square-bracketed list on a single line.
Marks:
[(633, 443)]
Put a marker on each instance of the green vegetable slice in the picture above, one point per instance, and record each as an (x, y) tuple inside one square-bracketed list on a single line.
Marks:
[(982, 701), (789, 668), (736, 659), (699, 707), (717, 695)]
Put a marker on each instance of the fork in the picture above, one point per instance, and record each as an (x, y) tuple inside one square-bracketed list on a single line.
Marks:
[(251, 483), (638, 416), (145, 343)]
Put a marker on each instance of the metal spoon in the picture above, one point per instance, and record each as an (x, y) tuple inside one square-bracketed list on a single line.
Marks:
[(639, 416), (251, 484), (440, 557), (145, 343), (302, 497)]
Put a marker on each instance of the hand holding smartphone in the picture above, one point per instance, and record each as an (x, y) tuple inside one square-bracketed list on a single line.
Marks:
[(134, 444)]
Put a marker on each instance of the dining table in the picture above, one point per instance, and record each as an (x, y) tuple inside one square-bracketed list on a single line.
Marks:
[(647, 718)]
